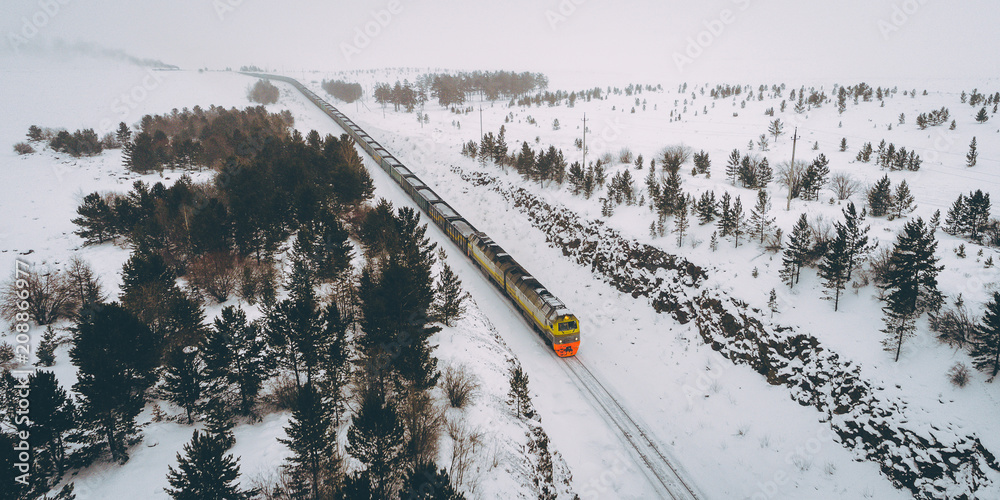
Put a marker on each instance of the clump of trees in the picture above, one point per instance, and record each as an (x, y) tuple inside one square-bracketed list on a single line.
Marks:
[(889, 158), (263, 92), (197, 137), (345, 91)]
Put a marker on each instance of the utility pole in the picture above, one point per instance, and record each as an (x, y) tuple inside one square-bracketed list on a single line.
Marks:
[(480, 120), (584, 140), (791, 169)]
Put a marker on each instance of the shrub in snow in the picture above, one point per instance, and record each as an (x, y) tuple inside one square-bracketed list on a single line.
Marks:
[(461, 385), (959, 375), (23, 148)]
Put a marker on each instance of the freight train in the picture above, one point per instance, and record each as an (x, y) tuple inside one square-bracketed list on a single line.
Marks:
[(546, 313)]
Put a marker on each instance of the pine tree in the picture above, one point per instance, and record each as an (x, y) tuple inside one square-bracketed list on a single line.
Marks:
[(739, 221), (702, 163), (219, 423), (671, 195), (525, 163), (205, 472), (982, 116), (795, 254), (706, 207), (725, 223), (910, 283), (834, 267), (955, 221), (46, 352), (115, 355), (865, 155), (518, 396), (815, 177), (970, 159), (857, 238), (53, 421), (776, 128), (764, 174), (843, 144), (450, 296), (880, 197), (681, 224), (977, 213), (986, 349), (713, 243), (903, 200), (376, 439), (314, 464), (335, 359), (236, 357), (183, 382), (759, 220), (96, 220), (426, 482), (733, 166), (772, 302)]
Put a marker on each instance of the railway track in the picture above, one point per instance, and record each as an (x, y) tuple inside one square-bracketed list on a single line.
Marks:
[(662, 474), (660, 471)]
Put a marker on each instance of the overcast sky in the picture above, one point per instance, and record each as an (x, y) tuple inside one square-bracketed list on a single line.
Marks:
[(678, 41)]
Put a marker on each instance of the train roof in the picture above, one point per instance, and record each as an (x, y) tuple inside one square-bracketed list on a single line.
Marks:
[(403, 171), (428, 194), (445, 210)]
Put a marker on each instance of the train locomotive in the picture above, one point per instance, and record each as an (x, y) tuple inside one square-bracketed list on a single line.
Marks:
[(546, 313)]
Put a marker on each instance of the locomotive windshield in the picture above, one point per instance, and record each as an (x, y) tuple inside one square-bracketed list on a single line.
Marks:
[(569, 325)]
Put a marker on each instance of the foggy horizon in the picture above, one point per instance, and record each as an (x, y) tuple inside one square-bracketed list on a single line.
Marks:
[(719, 40)]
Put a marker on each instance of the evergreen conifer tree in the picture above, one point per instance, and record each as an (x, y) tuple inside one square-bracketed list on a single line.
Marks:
[(236, 357), (977, 213), (518, 396), (314, 465), (834, 267), (183, 382), (903, 200), (795, 254), (725, 223), (53, 420), (880, 197), (376, 438), (706, 207), (982, 116), (733, 166), (739, 221), (681, 224), (955, 221), (759, 220), (910, 283), (857, 238), (205, 472), (986, 349), (970, 158), (96, 220), (115, 355), (426, 482)]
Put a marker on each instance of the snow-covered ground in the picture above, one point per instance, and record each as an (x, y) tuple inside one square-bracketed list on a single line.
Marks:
[(41, 197), (629, 344), (735, 435)]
